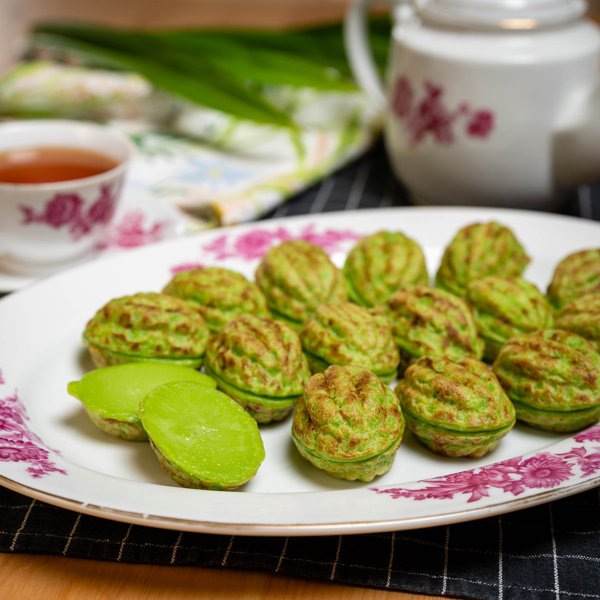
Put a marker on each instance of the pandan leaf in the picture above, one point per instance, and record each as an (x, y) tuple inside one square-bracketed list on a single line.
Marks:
[(208, 88), (225, 70)]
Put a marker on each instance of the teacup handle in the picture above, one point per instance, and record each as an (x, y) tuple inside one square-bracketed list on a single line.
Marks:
[(359, 53)]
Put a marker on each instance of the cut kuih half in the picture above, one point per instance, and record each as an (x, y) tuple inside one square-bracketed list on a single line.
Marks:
[(202, 437), (112, 395)]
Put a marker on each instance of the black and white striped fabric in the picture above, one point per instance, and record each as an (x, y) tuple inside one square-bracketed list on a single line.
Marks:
[(549, 552), (369, 183)]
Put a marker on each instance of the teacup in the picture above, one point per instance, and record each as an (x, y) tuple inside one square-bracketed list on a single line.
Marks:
[(60, 183)]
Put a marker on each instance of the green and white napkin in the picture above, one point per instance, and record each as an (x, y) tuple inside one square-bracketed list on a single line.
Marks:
[(216, 169)]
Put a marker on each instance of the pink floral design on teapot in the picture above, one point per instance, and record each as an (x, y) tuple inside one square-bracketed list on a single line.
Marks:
[(429, 115)]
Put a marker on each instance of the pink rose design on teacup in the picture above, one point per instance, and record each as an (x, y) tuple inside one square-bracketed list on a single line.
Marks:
[(61, 210), (103, 209), (66, 210)]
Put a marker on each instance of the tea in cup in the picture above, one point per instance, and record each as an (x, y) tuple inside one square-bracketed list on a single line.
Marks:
[(60, 183)]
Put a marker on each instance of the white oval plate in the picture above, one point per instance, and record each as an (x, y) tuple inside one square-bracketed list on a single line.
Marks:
[(49, 450)]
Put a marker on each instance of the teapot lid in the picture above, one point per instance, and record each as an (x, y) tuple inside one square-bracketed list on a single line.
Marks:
[(501, 14)]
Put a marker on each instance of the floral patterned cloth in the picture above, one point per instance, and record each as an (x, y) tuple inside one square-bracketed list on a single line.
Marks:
[(214, 169)]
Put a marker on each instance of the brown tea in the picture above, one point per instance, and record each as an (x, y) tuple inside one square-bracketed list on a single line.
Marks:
[(46, 164)]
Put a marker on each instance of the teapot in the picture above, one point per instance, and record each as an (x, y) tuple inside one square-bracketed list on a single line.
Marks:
[(486, 102)]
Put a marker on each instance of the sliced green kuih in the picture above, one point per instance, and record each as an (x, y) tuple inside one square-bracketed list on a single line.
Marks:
[(201, 436), (112, 395)]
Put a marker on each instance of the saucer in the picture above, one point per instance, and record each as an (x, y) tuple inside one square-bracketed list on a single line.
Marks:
[(140, 220)]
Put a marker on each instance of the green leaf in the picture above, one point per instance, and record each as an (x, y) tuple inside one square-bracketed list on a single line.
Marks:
[(260, 65), (179, 76), (226, 70)]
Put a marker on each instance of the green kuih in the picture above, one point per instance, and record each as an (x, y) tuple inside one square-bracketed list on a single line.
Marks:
[(574, 276), (295, 277), (455, 408), (219, 294), (259, 362), (381, 263), (147, 326), (112, 395), (347, 334), (553, 379), (348, 423), (505, 307), (479, 250), (582, 316), (202, 438), (428, 321)]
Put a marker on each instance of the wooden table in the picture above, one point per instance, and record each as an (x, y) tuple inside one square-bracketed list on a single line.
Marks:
[(27, 576)]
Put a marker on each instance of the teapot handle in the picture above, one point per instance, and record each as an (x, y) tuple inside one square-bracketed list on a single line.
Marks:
[(359, 54)]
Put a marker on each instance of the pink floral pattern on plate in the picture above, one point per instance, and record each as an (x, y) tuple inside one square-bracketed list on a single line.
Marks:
[(514, 476), (253, 244), (132, 231), (68, 211), (18, 443)]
